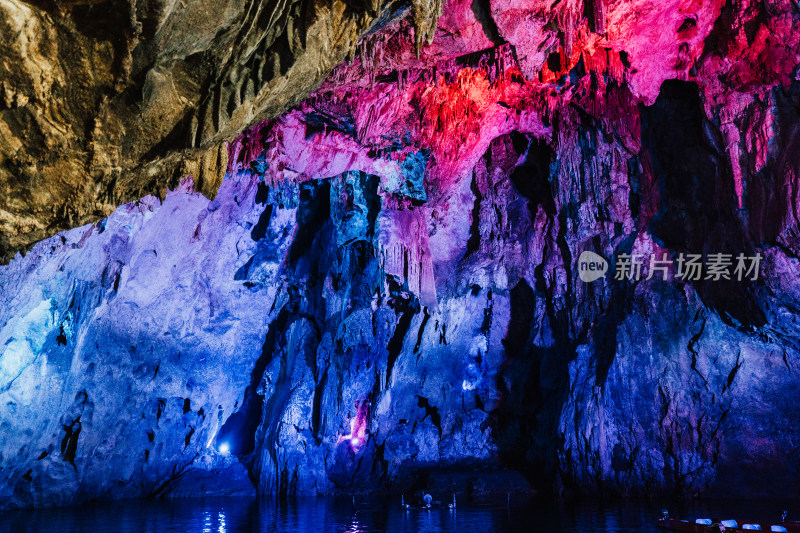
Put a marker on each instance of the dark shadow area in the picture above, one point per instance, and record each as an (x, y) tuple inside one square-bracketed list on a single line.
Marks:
[(534, 383), (698, 211), (239, 430), (531, 179)]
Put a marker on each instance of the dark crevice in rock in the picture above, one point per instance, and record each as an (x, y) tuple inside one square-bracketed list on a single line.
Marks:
[(430, 411), (325, 120), (697, 213), (732, 374), (566, 259), (262, 193), (162, 403), (474, 241), (534, 385), (260, 229), (370, 184), (242, 273), (69, 443), (531, 179), (316, 413), (172, 141), (61, 338), (488, 315), (178, 471), (312, 212), (188, 438), (522, 314), (240, 428), (395, 345), (406, 305), (595, 13), (768, 206), (425, 317), (483, 13), (634, 181), (604, 334)]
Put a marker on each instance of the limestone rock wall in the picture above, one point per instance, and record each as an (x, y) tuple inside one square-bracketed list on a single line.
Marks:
[(386, 291)]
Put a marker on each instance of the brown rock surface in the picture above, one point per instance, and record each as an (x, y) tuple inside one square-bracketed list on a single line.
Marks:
[(105, 101)]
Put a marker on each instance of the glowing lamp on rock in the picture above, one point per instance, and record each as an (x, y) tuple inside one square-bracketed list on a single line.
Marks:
[(224, 448), (358, 429)]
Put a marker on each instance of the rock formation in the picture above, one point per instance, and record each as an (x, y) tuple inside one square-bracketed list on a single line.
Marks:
[(103, 102), (386, 289)]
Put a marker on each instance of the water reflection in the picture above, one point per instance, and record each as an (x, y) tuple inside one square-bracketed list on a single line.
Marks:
[(324, 515)]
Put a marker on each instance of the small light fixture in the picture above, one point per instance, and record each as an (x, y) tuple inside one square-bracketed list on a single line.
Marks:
[(224, 448)]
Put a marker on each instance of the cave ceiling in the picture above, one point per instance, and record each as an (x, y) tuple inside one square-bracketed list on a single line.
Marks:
[(105, 102)]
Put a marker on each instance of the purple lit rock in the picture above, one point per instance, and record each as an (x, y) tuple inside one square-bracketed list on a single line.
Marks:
[(385, 295)]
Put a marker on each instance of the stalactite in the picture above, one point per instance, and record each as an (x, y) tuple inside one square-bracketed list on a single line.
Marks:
[(426, 13), (599, 11)]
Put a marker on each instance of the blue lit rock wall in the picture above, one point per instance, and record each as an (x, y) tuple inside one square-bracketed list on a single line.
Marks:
[(125, 347), (346, 335), (385, 293)]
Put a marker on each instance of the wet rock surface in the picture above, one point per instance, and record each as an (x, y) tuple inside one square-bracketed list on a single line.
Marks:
[(386, 292)]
